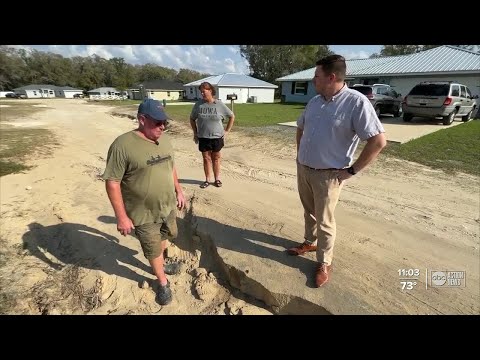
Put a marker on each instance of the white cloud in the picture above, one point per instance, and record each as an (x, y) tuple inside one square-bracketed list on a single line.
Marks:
[(350, 55), (234, 49)]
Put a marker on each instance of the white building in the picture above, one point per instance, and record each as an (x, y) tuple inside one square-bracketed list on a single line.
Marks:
[(247, 88), (443, 63), (47, 91), (107, 93)]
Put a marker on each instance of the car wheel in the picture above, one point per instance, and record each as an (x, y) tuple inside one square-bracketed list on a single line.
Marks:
[(447, 120), (377, 110), (407, 117), (468, 116), (398, 112)]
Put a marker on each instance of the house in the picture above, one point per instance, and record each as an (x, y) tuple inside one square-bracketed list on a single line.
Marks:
[(47, 91), (157, 89), (67, 92), (247, 88), (443, 63), (107, 93)]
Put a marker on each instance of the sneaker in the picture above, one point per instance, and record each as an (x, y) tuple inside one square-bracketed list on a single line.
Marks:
[(172, 268), (164, 294), (321, 274), (301, 249)]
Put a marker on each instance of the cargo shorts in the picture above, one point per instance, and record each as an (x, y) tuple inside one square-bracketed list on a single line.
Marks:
[(151, 235)]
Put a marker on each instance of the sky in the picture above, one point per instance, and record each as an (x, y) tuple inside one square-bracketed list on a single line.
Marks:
[(211, 59)]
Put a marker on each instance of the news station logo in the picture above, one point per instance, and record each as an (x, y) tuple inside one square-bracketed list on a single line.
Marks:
[(444, 278)]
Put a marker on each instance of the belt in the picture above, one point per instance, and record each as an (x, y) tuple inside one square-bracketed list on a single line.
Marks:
[(321, 169)]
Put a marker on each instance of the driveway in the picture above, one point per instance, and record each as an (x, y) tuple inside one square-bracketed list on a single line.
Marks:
[(399, 131)]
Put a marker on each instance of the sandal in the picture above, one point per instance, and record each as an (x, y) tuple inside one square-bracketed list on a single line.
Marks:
[(204, 184), (218, 183)]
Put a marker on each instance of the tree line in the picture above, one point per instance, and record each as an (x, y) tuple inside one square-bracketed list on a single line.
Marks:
[(266, 62), (269, 62), (19, 68)]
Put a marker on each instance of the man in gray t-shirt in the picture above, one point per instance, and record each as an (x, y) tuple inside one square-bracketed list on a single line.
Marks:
[(207, 119), (328, 133)]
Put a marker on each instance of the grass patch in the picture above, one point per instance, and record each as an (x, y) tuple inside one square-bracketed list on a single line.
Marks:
[(12, 110), (16, 143), (455, 149), (248, 115)]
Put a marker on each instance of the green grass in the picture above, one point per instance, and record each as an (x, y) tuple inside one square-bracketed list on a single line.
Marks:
[(456, 149), (16, 143), (248, 115)]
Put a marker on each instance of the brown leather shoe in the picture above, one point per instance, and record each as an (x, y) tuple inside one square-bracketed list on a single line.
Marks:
[(321, 274), (301, 249)]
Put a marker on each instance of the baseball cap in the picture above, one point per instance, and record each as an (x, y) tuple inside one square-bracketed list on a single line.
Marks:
[(153, 108)]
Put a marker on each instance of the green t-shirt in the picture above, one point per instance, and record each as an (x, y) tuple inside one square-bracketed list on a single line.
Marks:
[(145, 172)]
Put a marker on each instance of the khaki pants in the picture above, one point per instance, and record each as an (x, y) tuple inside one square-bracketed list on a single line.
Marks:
[(319, 191)]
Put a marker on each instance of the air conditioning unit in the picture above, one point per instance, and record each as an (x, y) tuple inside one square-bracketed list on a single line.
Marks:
[(253, 99)]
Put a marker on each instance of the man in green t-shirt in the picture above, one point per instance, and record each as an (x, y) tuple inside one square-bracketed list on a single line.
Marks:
[(143, 188)]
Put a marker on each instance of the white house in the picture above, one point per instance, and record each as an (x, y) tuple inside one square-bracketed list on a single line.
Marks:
[(247, 88), (157, 89), (4, 93), (67, 92), (47, 91), (106, 93), (443, 63)]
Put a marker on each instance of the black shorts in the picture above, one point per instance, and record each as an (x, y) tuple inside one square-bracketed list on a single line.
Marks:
[(214, 145)]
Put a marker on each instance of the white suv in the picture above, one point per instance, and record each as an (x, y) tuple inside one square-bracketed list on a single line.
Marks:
[(445, 99)]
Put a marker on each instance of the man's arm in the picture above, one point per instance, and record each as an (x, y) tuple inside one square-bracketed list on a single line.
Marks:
[(299, 137), (375, 144), (178, 190), (124, 223)]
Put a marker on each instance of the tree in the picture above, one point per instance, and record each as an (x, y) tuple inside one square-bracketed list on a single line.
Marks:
[(186, 76), (12, 68), (395, 50), (269, 62)]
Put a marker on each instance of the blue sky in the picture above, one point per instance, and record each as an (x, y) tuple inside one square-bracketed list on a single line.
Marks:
[(212, 59)]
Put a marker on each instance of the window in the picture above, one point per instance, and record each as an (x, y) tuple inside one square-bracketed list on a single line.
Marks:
[(191, 90), (35, 93), (168, 93), (463, 92), (455, 90), (301, 88), (469, 94), (382, 90), (51, 91)]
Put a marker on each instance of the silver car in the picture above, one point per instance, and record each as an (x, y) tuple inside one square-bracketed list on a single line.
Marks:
[(439, 99)]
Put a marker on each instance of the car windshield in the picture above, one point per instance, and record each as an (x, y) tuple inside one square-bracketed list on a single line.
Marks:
[(431, 90), (365, 90)]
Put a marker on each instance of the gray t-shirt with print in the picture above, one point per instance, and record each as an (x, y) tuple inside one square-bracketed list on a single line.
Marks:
[(209, 118)]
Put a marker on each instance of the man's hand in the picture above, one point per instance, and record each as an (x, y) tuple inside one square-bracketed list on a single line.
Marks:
[(180, 200), (125, 226), (343, 175), (195, 138)]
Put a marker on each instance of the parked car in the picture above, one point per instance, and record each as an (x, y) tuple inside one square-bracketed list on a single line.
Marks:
[(439, 99), (78, 96), (384, 99), (15, 96)]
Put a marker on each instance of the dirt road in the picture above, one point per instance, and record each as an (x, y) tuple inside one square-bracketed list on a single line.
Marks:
[(58, 230)]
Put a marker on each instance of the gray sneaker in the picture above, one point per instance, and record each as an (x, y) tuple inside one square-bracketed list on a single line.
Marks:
[(172, 268), (164, 295)]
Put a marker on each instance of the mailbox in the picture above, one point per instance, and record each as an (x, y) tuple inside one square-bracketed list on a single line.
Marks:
[(232, 97)]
